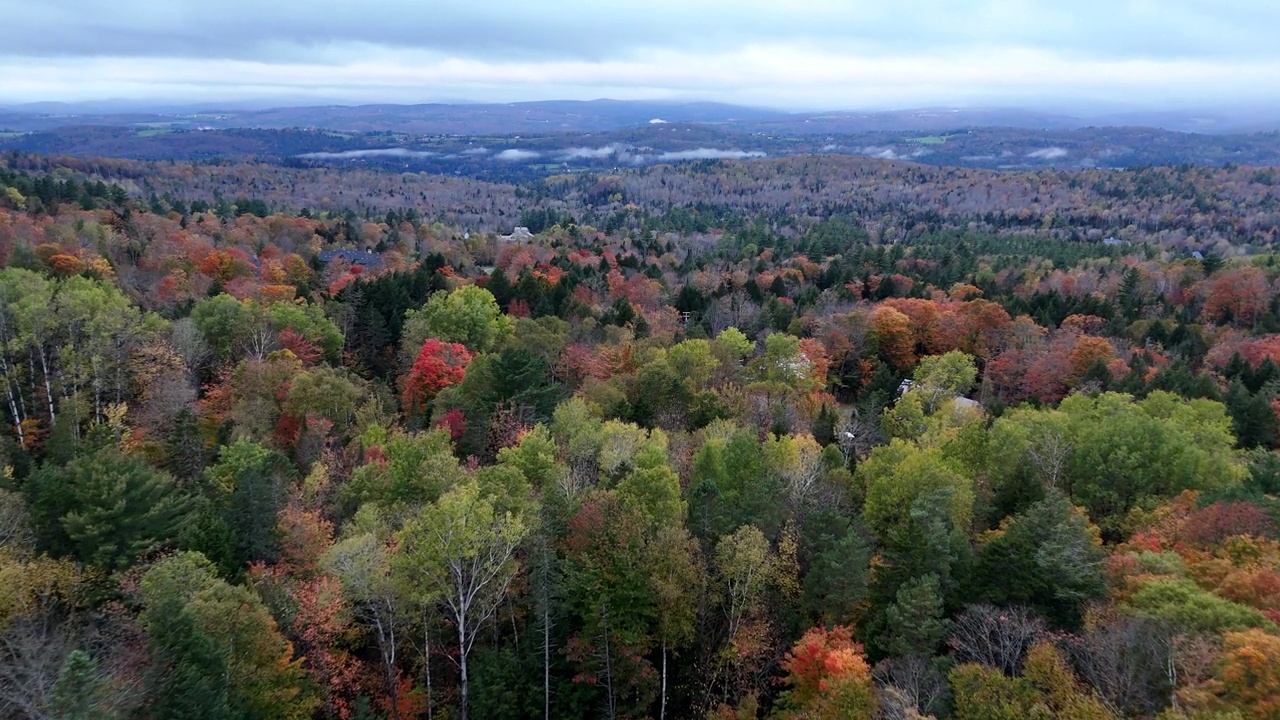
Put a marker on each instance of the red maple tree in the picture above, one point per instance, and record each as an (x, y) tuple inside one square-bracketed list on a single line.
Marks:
[(439, 365)]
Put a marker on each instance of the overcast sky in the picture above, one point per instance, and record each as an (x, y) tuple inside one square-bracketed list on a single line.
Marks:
[(801, 54)]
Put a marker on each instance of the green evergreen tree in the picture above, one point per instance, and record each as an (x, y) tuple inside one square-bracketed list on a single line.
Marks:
[(836, 580), (188, 677), (106, 509), (81, 692), (915, 621), (1252, 418), (251, 482), (1045, 558), (184, 448)]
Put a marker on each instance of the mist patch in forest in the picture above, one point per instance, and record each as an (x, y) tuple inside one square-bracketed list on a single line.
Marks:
[(516, 155), (1049, 153), (373, 153), (701, 154), (589, 153)]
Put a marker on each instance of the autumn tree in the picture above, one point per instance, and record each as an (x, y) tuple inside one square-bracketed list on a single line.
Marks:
[(462, 548), (1249, 677), (828, 678), (892, 331), (1237, 296), (218, 651), (438, 366), (468, 316), (362, 565), (610, 588)]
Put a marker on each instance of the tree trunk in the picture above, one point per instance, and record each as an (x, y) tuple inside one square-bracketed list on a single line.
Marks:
[(462, 665), (387, 647), (426, 660), (13, 404), (97, 393), (48, 387), (662, 707), (611, 707)]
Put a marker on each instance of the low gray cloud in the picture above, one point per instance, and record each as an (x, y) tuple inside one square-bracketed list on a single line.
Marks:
[(376, 153), (888, 153), (704, 154), (588, 153), (515, 155), (1049, 153), (884, 153)]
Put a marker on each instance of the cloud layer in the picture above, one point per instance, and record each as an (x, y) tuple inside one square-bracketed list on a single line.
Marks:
[(376, 153), (515, 155), (821, 53)]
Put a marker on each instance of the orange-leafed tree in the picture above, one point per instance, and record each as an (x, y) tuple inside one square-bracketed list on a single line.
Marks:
[(1088, 350), (829, 677), (1083, 324), (1249, 678), (922, 314), (892, 329), (1237, 296), (66, 265), (321, 626), (223, 265)]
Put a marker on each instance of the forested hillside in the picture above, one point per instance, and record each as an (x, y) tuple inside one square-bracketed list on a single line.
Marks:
[(1174, 208), (802, 438)]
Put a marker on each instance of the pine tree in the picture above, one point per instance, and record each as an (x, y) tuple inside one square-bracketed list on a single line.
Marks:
[(106, 509), (81, 692), (915, 622)]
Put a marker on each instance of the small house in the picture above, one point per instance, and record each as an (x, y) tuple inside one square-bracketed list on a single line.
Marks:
[(364, 258)]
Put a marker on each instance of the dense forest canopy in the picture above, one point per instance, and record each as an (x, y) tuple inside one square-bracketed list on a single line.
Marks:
[(803, 438), (1175, 207)]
